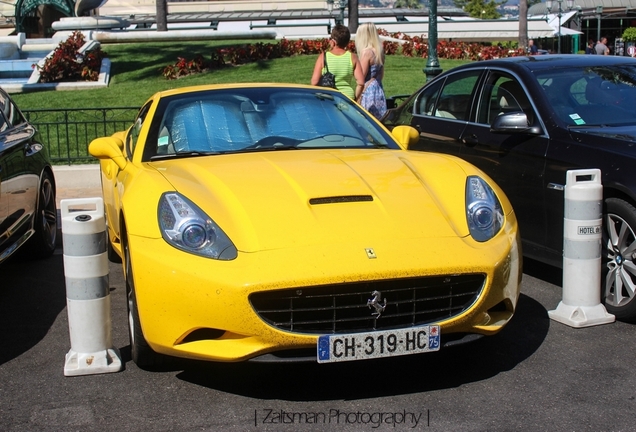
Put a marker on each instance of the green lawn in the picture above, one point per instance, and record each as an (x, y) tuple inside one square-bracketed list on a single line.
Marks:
[(136, 74)]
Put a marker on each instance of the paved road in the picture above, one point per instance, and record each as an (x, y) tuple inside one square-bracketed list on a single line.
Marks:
[(535, 375)]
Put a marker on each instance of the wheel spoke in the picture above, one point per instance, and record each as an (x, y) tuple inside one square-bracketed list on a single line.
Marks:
[(47, 194), (622, 237), (629, 251), (610, 283), (611, 230)]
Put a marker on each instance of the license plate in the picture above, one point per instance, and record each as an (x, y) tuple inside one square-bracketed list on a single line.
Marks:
[(387, 343)]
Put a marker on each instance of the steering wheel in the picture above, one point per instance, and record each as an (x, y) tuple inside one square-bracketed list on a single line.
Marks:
[(271, 141)]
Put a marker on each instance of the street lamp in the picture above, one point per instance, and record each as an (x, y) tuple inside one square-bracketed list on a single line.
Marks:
[(432, 68), (338, 4), (599, 12), (548, 5)]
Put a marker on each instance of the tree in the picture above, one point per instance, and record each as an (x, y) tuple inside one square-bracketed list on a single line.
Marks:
[(481, 8), (408, 4), (162, 15), (353, 16), (523, 23)]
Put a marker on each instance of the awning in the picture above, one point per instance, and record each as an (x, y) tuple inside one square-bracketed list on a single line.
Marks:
[(470, 30)]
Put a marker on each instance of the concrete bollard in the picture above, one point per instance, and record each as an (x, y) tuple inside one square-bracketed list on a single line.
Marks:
[(582, 237), (87, 290)]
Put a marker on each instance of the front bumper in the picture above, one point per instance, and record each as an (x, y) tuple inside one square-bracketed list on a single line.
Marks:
[(199, 308)]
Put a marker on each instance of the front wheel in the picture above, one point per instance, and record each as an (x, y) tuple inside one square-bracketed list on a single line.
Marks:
[(142, 354), (619, 259), (42, 242)]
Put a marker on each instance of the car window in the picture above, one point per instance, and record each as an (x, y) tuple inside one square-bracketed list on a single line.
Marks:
[(135, 130), (225, 121), (449, 98), (454, 100), (425, 103), (589, 96), (10, 111), (503, 93), (5, 108)]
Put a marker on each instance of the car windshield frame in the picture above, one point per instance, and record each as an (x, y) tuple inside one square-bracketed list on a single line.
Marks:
[(590, 96), (250, 119)]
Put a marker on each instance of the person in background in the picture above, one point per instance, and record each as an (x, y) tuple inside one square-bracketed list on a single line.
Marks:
[(601, 47), (371, 51), (532, 48), (589, 49), (344, 64)]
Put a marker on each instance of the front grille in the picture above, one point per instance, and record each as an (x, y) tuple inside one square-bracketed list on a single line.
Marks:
[(343, 308)]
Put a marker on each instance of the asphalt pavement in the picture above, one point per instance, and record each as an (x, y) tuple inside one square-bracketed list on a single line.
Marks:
[(536, 374)]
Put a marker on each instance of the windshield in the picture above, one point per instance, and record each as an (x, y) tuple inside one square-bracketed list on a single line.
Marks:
[(260, 119), (591, 96)]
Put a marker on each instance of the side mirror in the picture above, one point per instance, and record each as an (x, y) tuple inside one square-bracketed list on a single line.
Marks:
[(108, 148), (513, 123), (406, 136)]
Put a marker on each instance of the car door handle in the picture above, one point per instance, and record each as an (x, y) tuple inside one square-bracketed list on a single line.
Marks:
[(470, 140)]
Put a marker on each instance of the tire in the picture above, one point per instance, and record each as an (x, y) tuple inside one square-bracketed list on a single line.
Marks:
[(619, 259), (43, 241), (140, 351), (112, 255)]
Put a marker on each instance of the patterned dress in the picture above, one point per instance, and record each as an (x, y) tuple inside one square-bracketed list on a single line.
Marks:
[(373, 98)]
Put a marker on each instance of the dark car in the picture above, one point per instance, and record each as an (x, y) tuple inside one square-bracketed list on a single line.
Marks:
[(28, 213), (526, 121)]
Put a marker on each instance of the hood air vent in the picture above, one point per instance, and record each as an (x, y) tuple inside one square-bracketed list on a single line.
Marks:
[(340, 199)]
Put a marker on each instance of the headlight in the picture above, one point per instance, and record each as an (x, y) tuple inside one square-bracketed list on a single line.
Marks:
[(186, 227), (483, 210)]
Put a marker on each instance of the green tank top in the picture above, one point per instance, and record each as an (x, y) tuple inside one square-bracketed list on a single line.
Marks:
[(342, 67)]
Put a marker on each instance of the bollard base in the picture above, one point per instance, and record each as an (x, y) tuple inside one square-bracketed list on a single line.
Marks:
[(581, 316), (100, 362)]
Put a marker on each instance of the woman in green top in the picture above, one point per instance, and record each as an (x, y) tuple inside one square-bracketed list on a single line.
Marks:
[(342, 63)]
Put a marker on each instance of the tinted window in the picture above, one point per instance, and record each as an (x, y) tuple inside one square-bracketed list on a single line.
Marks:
[(451, 98), (425, 103), (503, 93), (591, 95)]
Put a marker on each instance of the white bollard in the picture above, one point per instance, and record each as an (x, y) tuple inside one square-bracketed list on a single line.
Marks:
[(582, 237), (87, 290)]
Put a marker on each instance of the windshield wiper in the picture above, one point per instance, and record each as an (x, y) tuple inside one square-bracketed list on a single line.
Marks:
[(264, 148), (181, 155)]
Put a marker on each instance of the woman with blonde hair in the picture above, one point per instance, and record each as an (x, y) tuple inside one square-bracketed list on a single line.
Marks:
[(371, 53)]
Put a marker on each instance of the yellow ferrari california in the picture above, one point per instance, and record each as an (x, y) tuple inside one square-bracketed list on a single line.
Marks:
[(271, 222)]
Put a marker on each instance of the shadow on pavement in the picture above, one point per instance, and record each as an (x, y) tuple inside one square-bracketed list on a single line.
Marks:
[(448, 368), (32, 295), (545, 272)]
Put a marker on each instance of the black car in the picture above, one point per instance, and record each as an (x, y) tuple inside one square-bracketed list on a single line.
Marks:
[(526, 121), (28, 212)]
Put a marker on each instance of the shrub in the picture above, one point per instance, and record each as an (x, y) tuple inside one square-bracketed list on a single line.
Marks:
[(411, 46), (629, 35), (67, 64)]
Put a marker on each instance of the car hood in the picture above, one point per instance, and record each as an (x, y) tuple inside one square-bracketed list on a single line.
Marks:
[(279, 199), (619, 133)]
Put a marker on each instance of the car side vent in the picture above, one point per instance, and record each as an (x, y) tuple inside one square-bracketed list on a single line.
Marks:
[(340, 199)]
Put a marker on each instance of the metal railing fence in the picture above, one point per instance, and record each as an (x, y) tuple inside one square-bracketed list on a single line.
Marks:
[(68, 132)]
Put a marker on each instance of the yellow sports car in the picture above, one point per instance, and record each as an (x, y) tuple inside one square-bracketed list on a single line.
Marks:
[(273, 222)]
